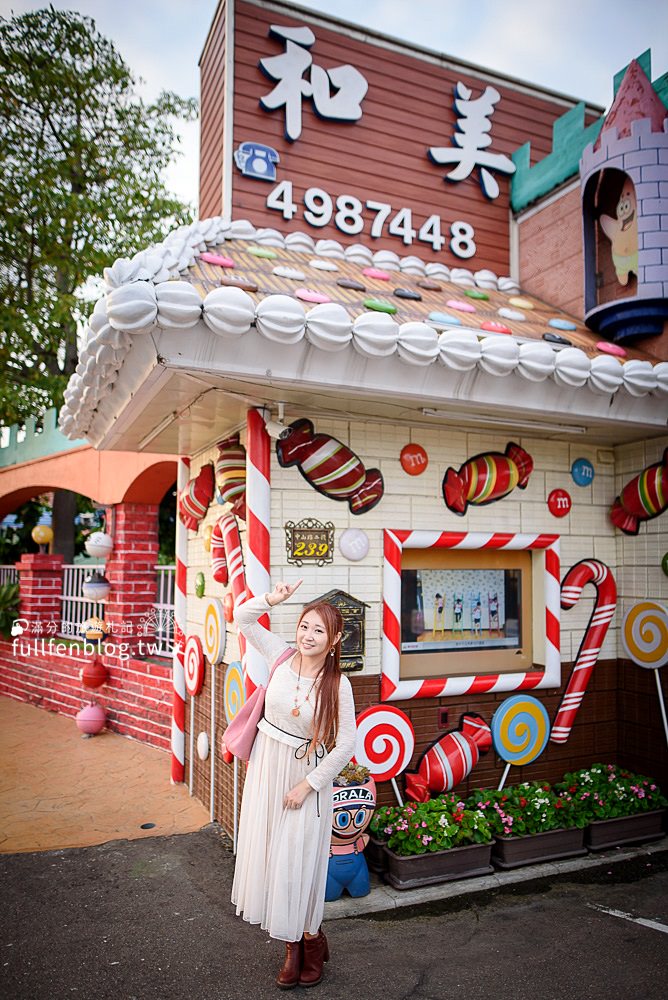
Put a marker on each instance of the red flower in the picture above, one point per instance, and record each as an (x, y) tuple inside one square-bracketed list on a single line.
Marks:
[(523, 802), (558, 804)]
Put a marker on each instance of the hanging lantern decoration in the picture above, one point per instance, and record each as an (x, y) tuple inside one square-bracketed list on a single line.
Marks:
[(96, 587), (91, 720), (99, 545), (94, 674)]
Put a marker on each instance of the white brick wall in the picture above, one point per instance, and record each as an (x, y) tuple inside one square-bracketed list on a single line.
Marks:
[(416, 502)]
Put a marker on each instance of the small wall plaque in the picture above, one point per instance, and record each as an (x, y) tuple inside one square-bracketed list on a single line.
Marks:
[(353, 640), (309, 541)]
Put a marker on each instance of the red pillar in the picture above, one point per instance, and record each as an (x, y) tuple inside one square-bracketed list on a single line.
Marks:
[(40, 588), (130, 570)]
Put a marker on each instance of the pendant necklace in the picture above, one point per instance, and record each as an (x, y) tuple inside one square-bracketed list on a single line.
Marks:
[(295, 710)]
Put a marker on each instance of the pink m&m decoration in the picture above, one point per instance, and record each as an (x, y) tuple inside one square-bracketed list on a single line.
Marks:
[(465, 307), (559, 503), (194, 665), (413, 459), (309, 295), (374, 272), (493, 327), (214, 258), (385, 741), (607, 348)]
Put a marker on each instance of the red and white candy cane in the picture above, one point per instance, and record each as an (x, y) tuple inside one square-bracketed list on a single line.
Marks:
[(392, 686), (597, 573), (228, 562), (258, 521), (180, 622)]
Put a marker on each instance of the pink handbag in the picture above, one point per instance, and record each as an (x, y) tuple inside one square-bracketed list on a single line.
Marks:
[(240, 735)]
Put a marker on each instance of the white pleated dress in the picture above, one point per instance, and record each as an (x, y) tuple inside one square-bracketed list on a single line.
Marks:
[(282, 854)]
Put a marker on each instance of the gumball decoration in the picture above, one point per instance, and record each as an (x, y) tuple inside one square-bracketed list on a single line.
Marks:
[(228, 607), (94, 630), (94, 674), (486, 478), (231, 475), (354, 544), (194, 665), (206, 537), (559, 503), (42, 534), (203, 746), (413, 459), (195, 498), (96, 587), (91, 720), (642, 498), (199, 585), (354, 804), (99, 545), (449, 759), (330, 467), (582, 472)]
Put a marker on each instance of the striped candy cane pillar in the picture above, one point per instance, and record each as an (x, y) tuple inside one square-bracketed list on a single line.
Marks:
[(392, 688), (180, 622), (258, 505), (597, 573)]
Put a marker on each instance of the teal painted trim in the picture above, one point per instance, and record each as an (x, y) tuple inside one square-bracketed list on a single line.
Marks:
[(569, 138), (661, 87), (49, 441)]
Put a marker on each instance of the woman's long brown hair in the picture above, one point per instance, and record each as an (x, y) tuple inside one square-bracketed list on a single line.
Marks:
[(325, 720)]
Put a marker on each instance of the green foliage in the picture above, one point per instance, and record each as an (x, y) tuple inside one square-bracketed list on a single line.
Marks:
[(17, 540), (424, 827), (519, 810), (606, 791), (81, 164), (167, 528), (9, 606)]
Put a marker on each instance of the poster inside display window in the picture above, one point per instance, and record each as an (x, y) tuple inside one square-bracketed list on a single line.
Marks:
[(469, 611)]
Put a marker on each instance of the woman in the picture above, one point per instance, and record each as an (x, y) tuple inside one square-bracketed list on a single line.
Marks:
[(306, 737)]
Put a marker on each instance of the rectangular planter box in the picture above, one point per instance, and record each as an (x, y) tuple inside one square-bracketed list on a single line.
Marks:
[(513, 852), (374, 852), (441, 866), (625, 830)]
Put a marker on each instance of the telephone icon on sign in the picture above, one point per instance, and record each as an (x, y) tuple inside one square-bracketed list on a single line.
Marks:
[(258, 161)]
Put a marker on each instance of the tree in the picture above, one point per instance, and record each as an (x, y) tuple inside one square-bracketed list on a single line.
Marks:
[(81, 164)]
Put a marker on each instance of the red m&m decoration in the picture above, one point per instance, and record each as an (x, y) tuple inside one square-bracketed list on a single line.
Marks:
[(413, 459), (559, 503), (228, 607)]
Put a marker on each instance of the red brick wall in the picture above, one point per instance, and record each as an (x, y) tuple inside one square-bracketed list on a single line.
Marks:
[(550, 254)]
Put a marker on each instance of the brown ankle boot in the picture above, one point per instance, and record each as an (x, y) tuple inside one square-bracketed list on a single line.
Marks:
[(290, 972), (316, 952)]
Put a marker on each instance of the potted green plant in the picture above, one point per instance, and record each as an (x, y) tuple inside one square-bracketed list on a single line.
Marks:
[(435, 841), (620, 807), (9, 607), (530, 823)]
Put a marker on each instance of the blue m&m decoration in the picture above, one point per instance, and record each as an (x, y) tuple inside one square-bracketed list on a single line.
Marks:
[(582, 472)]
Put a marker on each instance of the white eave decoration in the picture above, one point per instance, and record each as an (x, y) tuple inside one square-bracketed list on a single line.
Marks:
[(144, 294)]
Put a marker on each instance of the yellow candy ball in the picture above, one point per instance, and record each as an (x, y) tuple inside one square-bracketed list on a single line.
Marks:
[(42, 534)]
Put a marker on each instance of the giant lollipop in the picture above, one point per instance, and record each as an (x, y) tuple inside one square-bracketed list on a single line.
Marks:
[(645, 638), (385, 743), (520, 731), (234, 698)]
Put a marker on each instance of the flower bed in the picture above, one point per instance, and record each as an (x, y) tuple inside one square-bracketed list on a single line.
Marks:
[(427, 827)]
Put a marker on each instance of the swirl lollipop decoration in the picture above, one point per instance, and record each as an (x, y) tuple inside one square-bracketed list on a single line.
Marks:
[(520, 731), (194, 665), (645, 638), (215, 633), (385, 743), (234, 696)]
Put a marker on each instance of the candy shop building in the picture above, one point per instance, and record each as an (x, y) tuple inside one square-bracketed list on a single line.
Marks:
[(415, 351)]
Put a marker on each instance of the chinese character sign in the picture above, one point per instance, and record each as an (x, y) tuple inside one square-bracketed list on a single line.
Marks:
[(336, 93), (472, 139)]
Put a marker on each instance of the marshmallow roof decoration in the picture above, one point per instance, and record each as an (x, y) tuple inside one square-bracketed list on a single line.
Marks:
[(227, 282)]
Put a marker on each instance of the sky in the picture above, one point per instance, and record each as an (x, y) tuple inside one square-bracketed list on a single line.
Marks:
[(571, 46)]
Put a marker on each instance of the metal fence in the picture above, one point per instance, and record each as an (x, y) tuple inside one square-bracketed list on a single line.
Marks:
[(164, 609), (8, 574), (75, 609)]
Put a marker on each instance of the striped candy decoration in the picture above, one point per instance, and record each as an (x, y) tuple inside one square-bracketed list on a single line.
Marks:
[(330, 467), (597, 573), (178, 741), (395, 540), (450, 759), (486, 478), (231, 475), (258, 503), (642, 498), (195, 498)]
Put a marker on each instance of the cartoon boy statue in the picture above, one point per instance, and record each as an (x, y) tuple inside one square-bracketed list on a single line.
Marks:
[(622, 232), (353, 809)]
